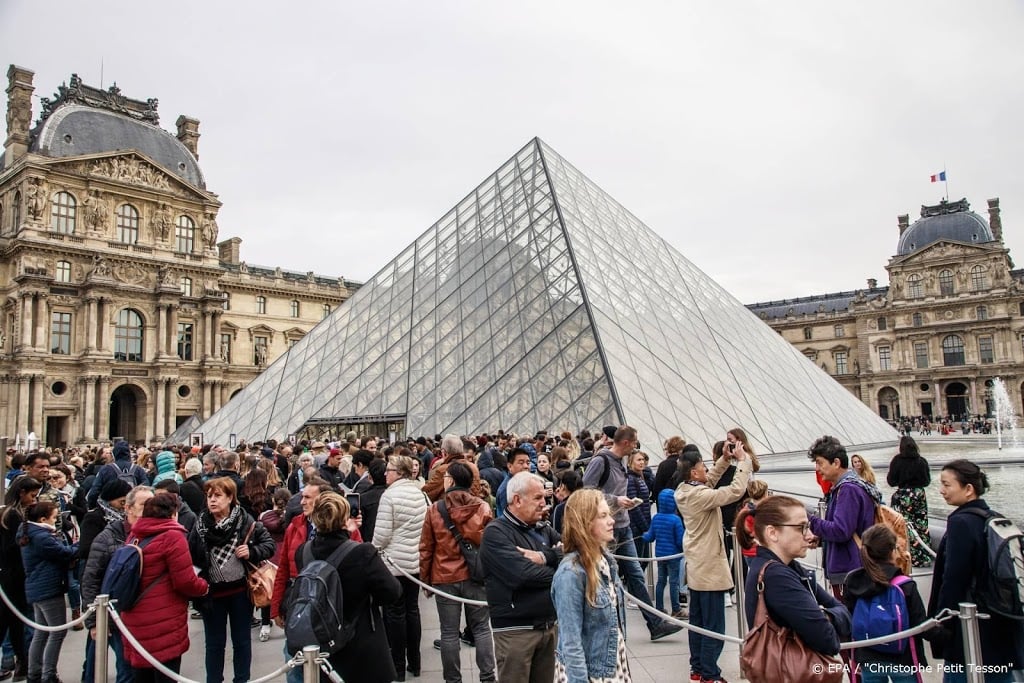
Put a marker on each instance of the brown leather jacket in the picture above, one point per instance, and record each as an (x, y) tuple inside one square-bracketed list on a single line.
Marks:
[(440, 558), (435, 482)]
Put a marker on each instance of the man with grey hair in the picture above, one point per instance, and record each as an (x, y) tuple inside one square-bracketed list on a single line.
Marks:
[(520, 553), (191, 489), (228, 463), (103, 546), (451, 451)]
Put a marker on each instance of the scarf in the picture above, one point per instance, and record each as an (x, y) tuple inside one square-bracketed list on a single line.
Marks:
[(853, 478), (221, 540), (110, 515)]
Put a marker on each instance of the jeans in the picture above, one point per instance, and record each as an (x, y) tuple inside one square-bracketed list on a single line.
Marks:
[(631, 573), (238, 609), (449, 613), (124, 671), (402, 623), (74, 589), (294, 674), (45, 648), (668, 572), (153, 676), (867, 675), (707, 610)]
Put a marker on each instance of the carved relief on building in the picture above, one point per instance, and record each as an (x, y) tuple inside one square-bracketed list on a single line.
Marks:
[(96, 212), (130, 273), (128, 169), (163, 219), (35, 199)]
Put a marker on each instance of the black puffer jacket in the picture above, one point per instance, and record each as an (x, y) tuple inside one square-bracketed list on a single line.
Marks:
[(103, 546)]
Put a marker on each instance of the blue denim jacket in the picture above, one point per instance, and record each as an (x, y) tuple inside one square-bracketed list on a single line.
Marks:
[(587, 634)]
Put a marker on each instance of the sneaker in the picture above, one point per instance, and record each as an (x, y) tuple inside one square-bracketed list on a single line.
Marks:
[(695, 677), (196, 614), (663, 629), (264, 633), (468, 638), (437, 644), (718, 679), (254, 623), (681, 613), (684, 599), (728, 602)]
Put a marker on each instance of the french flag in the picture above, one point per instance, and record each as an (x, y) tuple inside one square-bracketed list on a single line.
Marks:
[(939, 177)]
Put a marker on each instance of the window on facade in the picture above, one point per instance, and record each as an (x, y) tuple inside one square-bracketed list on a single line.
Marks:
[(327, 311), (1022, 307), (914, 288), (839, 331), (946, 282), (225, 347), (184, 235), (260, 347), (808, 333), (63, 273), (982, 312), (841, 368), (128, 336), (185, 341), (921, 354), (885, 358), (917, 320), (261, 305), (882, 324), (185, 285), (127, 224), (60, 333), (226, 304), (294, 308), (985, 353), (16, 213), (979, 281), (953, 350), (62, 213)]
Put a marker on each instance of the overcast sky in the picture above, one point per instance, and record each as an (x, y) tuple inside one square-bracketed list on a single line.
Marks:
[(772, 143)]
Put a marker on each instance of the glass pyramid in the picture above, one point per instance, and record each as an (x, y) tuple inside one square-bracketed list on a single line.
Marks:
[(539, 302)]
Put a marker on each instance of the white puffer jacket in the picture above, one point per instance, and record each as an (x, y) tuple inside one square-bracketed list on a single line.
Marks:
[(400, 523)]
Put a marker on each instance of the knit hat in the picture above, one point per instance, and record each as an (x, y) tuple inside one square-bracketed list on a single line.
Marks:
[(165, 462), (609, 431), (115, 489)]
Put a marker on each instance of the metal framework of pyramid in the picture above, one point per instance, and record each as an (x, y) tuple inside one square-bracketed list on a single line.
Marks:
[(539, 302)]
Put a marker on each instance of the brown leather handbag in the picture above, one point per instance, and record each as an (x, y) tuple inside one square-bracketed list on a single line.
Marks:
[(772, 653), (261, 578)]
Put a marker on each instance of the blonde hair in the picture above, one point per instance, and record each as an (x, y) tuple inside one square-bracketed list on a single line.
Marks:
[(580, 511), (330, 512), (867, 474), (757, 489), (403, 465)]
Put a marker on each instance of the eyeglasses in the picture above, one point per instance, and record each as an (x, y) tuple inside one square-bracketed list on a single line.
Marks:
[(804, 528)]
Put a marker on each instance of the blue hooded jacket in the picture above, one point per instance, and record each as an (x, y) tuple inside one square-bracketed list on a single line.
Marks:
[(666, 527), (46, 558)]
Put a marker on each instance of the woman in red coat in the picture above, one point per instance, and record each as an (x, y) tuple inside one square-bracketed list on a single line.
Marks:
[(159, 620)]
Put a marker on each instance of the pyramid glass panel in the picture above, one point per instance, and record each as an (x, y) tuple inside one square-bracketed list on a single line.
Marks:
[(539, 302)]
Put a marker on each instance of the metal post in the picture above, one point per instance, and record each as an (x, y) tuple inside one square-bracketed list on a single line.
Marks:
[(738, 562), (102, 637), (649, 578), (822, 510), (972, 642), (310, 667)]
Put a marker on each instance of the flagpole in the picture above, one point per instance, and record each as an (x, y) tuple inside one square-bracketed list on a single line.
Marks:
[(945, 181)]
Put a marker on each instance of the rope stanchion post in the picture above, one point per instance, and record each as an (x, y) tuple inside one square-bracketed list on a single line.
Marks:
[(737, 577), (310, 665), (972, 642), (102, 638)]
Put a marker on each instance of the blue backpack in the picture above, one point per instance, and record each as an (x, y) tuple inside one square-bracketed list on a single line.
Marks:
[(883, 615), (123, 577)]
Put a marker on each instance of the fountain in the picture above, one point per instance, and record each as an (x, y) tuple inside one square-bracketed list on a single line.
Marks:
[(1004, 411)]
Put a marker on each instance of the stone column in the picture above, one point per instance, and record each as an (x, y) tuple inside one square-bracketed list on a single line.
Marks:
[(217, 395), (973, 408), (215, 336), (22, 421), (172, 329), (103, 420), (42, 315), (158, 408), (207, 399), (207, 350), (89, 408), (38, 420), (940, 408), (161, 330), (102, 328), (172, 407), (90, 324), (26, 320)]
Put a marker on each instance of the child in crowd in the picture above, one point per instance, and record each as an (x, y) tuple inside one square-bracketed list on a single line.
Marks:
[(667, 533), (757, 489)]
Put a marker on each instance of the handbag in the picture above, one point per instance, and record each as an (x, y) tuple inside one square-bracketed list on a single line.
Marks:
[(260, 578), (772, 653)]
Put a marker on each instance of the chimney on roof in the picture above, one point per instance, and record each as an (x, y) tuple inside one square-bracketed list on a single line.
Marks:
[(230, 250), (904, 222), (994, 221), (188, 133), (19, 113), (872, 283)]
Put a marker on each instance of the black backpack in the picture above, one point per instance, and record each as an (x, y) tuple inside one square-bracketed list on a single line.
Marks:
[(470, 552), (1001, 590), (314, 613)]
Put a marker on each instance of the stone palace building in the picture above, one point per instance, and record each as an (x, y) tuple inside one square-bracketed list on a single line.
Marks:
[(123, 312), (933, 341)]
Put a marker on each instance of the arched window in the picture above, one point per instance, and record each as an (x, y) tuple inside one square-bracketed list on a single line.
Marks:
[(261, 305), (128, 336), (63, 271), (127, 224), (946, 282), (982, 312), (62, 213), (914, 289), (953, 350), (186, 286), (295, 308), (184, 235), (979, 281)]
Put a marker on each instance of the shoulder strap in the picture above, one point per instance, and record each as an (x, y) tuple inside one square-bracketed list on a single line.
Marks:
[(340, 552), (607, 469), (443, 509), (984, 514), (899, 580), (248, 534)]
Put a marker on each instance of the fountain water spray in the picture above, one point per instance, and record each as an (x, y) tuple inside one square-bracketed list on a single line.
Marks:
[(1004, 411)]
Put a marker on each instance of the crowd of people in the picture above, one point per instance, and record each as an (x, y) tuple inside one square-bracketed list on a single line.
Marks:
[(543, 535)]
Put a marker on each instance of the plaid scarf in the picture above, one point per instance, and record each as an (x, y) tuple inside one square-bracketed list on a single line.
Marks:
[(110, 515), (221, 540)]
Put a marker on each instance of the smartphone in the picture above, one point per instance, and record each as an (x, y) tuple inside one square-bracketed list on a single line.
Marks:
[(637, 501), (353, 503)]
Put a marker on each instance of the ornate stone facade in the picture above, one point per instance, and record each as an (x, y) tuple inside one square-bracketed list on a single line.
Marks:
[(122, 315), (934, 340)]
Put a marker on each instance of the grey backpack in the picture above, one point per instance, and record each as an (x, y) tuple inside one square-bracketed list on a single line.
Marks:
[(314, 613)]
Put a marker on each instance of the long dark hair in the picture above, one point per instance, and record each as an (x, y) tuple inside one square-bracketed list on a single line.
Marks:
[(876, 548), (255, 490), (13, 500), (908, 448)]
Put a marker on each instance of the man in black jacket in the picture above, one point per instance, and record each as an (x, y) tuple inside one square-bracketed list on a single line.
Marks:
[(520, 555)]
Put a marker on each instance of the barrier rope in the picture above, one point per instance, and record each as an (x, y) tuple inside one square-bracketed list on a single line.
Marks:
[(142, 651), (927, 625), (918, 541), (43, 627), (428, 587), (685, 624)]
